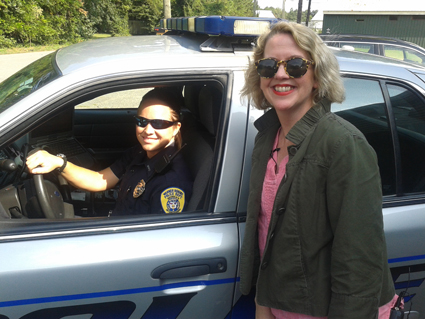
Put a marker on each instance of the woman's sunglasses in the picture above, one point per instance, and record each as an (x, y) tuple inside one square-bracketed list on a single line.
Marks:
[(295, 67), (156, 124)]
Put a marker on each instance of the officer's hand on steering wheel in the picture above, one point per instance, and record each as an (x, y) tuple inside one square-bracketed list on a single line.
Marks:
[(43, 162)]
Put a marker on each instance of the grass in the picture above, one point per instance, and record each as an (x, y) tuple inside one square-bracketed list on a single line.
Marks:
[(101, 35), (34, 48), (41, 48), (395, 54)]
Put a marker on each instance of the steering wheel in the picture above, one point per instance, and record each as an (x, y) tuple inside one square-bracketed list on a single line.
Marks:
[(49, 197)]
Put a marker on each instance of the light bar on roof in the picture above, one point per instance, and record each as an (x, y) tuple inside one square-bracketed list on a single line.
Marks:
[(221, 25), (191, 24), (250, 27)]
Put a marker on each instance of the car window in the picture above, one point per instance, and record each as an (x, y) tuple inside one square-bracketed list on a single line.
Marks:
[(96, 128), (409, 113), (364, 107), (414, 56), (394, 52), (28, 80), (116, 100), (332, 44), (404, 54), (361, 47)]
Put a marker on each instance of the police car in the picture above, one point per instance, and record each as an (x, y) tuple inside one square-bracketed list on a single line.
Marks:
[(385, 46), (63, 257)]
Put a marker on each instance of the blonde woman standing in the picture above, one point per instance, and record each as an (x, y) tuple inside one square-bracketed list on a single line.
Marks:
[(314, 243)]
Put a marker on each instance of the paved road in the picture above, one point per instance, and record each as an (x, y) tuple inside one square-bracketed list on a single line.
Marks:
[(11, 63)]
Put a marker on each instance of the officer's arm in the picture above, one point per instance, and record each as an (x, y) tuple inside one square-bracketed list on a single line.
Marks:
[(89, 180), (42, 162)]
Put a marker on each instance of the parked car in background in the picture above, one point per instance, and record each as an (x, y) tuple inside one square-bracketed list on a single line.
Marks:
[(80, 101), (385, 46)]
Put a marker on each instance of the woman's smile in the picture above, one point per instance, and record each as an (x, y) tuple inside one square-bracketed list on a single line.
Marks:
[(149, 139), (283, 89)]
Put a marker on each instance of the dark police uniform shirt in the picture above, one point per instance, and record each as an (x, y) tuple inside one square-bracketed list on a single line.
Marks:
[(166, 192)]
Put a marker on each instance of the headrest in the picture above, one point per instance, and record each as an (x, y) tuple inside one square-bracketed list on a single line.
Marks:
[(209, 107), (191, 98)]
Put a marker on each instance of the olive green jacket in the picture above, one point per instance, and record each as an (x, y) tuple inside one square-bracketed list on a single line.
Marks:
[(325, 253)]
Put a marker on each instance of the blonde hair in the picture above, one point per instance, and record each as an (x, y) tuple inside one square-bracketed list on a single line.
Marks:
[(326, 68)]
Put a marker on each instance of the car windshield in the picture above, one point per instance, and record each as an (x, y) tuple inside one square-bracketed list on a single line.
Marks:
[(28, 80)]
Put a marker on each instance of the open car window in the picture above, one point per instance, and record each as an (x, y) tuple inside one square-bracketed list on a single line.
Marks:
[(116, 100), (94, 130)]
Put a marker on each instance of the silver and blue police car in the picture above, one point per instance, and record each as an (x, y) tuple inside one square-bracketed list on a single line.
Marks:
[(62, 257)]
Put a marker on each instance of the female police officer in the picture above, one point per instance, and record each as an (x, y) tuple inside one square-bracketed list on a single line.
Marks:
[(150, 183)]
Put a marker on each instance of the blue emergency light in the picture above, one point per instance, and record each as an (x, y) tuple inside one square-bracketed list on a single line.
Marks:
[(220, 25)]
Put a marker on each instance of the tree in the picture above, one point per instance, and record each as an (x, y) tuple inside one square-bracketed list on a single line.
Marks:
[(42, 21), (300, 11), (242, 8), (67, 18), (149, 12), (109, 16), (292, 14), (58, 21), (167, 9), (189, 8)]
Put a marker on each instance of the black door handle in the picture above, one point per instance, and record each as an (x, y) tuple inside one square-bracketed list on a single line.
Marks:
[(190, 268)]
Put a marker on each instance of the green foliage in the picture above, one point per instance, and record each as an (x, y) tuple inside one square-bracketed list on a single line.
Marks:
[(109, 16), (292, 14), (6, 42), (148, 12), (189, 8), (63, 21), (42, 22)]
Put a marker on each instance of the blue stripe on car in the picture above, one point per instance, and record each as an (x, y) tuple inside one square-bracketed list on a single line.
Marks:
[(92, 295)]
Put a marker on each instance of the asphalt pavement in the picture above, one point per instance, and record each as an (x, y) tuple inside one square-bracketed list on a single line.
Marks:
[(11, 63)]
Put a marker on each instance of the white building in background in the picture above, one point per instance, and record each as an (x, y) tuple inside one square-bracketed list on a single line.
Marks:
[(377, 7), (317, 21), (265, 14), (371, 6)]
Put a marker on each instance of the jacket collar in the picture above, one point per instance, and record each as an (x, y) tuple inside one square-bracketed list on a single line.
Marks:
[(142, 159), (299, 131)]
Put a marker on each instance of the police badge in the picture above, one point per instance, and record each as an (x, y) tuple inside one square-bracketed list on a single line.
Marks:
[(139, 189), (172, 200)]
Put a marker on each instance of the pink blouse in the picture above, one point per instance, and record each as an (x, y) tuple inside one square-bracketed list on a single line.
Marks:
[(271, 184)]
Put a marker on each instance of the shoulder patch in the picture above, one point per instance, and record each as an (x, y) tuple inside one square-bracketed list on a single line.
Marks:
[(172, 200)]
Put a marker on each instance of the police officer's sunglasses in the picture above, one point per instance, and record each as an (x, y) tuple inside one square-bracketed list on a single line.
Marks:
[(295, 67), (156, 124)]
